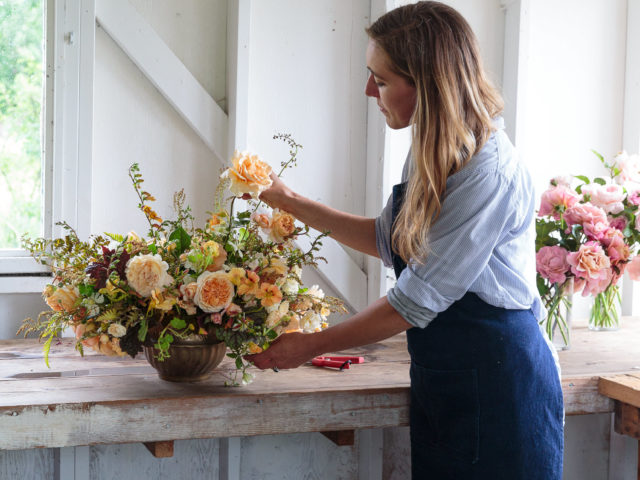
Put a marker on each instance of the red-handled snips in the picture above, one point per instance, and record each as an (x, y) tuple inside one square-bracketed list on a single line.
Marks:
[(340, 363)]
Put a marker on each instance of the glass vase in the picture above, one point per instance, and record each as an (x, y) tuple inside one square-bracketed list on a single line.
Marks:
[(557, 324), (605, 312)]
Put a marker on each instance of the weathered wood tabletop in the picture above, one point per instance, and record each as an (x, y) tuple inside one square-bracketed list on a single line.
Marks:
[(96, 399)]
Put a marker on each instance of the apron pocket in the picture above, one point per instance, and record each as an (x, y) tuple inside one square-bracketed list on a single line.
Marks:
[(445, 412)]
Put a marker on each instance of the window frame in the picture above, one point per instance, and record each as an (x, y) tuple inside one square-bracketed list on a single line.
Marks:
[(67, 136)]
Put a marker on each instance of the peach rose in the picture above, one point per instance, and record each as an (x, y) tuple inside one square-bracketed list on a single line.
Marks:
[(593, 286), (607, 197), (629, 166), (589, 262), (61, 299), (282, 226), (249, 174), (146, 273), (261, 219), (218, 253), (214, 292), (556, 200), (585, 212), (633, 267)]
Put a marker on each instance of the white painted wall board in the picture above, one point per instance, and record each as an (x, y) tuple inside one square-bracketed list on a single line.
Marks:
[(192, 459), (165, 71), (27, 464), (133, 123), (293, 457), (193, 30)]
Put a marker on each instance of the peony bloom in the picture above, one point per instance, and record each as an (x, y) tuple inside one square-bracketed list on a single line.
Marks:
[(146, 273), (117, 330), (595, 231), (249, 174), (582, 213), (61, 299), (633, 268), (607, 197), (551, 263), (214, 292), (269, 294), (629, 166), (282, 226), (556, 200), (589, 262)]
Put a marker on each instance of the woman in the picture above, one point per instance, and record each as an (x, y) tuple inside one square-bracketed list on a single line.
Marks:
[(486, 401)]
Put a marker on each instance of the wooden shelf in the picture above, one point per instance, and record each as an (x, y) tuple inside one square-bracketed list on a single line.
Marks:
[(102, 400)]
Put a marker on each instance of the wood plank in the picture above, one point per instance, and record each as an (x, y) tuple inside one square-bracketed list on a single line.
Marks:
[(581, 396), (162, 449), (625, 388), (627, 420), (341, 437)]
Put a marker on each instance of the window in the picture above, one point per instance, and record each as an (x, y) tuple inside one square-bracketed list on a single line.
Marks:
[(21, 96), (46, 110)]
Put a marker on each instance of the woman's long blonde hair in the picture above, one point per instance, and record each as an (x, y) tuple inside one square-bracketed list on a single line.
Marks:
[(433, 47)]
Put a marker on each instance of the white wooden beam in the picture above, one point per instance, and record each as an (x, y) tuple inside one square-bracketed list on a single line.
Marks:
[(370, 448), (514, 81), (165, 71), (238, 36)]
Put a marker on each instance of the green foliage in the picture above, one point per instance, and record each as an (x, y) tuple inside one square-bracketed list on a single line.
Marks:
[(21, 79)]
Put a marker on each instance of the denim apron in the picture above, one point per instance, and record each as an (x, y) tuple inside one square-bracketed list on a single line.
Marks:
[(486, 401)]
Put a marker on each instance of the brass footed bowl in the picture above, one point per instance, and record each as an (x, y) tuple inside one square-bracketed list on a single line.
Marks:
[(191, 359)]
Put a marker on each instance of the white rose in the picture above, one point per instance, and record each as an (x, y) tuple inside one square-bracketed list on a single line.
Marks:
[(311, 322), (146, 273), (214, 292), (629, 166), (290, 287), (117, 330), (315, 292)]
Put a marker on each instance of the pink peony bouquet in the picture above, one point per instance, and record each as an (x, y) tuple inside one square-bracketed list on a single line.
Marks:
[(587, 238), (236, 279)]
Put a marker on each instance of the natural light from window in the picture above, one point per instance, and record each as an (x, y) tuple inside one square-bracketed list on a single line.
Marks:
[(21, 98)]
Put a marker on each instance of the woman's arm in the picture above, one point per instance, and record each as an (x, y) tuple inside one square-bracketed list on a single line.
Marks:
[(352, 230), (377, 322)]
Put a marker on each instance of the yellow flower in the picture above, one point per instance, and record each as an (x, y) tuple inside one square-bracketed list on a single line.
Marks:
[(249, 174), (276, 266), (236, 275), (146, 273), (253, 348), (161, 302), (269, 294)]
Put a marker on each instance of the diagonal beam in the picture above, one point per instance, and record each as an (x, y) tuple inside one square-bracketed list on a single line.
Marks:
[(165, 71)]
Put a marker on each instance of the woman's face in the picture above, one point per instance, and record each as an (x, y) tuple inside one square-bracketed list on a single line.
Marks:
[(395, 95)]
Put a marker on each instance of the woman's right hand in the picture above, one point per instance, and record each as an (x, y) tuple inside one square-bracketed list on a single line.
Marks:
[(278, 195)]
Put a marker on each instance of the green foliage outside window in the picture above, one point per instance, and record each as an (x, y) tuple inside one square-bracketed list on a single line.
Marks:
[(21, 97)]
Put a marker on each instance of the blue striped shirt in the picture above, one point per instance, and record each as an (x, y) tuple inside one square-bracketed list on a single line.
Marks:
[(482, 242)]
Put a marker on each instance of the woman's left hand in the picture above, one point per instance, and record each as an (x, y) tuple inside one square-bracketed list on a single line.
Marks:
[(287, 351)]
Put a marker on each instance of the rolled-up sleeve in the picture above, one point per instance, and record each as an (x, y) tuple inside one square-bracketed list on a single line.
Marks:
[(383, 232), (476, 213)]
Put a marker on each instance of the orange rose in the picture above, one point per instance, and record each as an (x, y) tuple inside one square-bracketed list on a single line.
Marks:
[(249, 174), (282, 226), (61, 299), (215, 292)]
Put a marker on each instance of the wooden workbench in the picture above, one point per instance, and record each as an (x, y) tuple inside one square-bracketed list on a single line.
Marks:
[(103, 400)]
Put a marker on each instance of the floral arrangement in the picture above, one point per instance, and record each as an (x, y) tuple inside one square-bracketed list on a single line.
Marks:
[(237, 278), (587, 236)]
